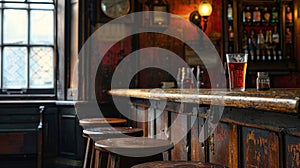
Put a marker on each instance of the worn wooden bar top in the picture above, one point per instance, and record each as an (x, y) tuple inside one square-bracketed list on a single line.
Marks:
[(281, 100)]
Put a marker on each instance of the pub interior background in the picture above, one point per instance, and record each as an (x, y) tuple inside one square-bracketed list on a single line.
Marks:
[(58, 142)]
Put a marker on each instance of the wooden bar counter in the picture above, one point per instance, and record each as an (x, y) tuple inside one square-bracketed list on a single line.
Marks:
[(255, 128), (284, 100)]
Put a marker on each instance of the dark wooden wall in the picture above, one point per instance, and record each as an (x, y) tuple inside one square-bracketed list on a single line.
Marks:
[(39, 134)]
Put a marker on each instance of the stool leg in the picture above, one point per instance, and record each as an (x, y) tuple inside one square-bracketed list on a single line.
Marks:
[(86, 152), (92, 154), (97, 159), (113, 161), (103, 159)]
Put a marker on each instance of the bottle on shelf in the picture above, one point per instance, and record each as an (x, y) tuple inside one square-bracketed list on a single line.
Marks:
[(263, 56), (274, 15), (288, 43), (244, 40), (288, 36), (274, 54), (256, 15), (269, 39), (231, 32), (260, 45), (247, 15), (186, 82), (246, 52), (229, 12), (275, 36), (252, 54), (288, 52), (253, 38), (269, 56), (265, 16), (289, 15), (198, 82), (260, 38), (251, 49), (178, 79), (191, 76), (269, 44), (258, 53), (279, 55)]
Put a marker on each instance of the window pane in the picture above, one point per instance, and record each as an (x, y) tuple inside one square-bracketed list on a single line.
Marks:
[(42, 6), (14, 67), (41, 67), (40, 0), (41, 27), (16, 5), (15, 30), (13, 0)]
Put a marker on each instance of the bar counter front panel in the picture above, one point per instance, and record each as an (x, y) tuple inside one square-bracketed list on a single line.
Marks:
[(255, 128)]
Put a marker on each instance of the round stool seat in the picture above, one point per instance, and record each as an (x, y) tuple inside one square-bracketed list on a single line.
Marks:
[(90, 122), (111, 132), (134, 146), (177, 164)]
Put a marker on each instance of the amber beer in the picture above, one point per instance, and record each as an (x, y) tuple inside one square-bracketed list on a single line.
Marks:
[(237, 65), (237, 75)]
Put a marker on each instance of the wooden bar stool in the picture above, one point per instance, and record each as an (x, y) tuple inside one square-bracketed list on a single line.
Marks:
[(99, 133), (126, 152), (177, 164), (96, 122), (92, 122)]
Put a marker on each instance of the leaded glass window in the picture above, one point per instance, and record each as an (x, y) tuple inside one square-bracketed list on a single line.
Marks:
[(27, 41)]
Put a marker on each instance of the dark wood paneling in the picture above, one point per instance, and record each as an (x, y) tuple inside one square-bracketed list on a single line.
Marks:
[(223, 148), (21, 134), (178, 131), (292, 150), (71, 142), (16, 120), (197, 147), (50, 133), (26, 136), (152, 77), (260, 148), (18, 143), (68, 136), (162, 127), (17, 161)]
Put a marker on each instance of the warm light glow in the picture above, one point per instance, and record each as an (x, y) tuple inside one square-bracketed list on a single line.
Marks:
[(205, 8)]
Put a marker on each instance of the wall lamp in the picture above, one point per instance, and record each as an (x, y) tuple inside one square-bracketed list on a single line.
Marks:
[(204, 11)]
